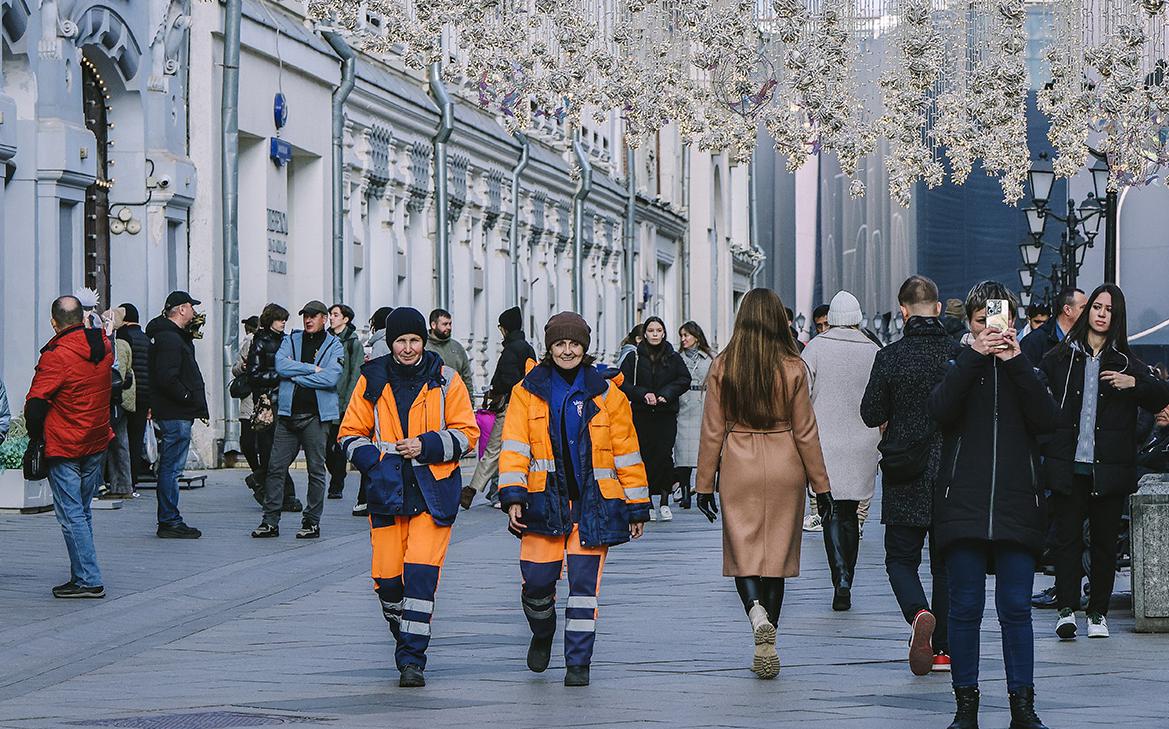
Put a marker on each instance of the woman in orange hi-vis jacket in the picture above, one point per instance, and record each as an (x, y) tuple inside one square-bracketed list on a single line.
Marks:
[(572, 481), (407, 425)]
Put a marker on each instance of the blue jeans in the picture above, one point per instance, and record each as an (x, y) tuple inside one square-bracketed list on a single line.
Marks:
[(174, 441), (74, 481), (1014, 568)]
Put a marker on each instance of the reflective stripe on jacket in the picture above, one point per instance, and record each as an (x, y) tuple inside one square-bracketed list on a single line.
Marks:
[(441, 417), (614, 490)]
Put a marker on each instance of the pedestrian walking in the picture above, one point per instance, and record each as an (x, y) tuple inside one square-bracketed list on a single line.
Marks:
[(118, 467), (812, 520), (440, 342), (697, 356), (509, 370), (265, 382), (378, 346), (136, 421), (178, 399), (573, 484), (655, 378), (341, 324), (309, 364), (407, 426), (1070, 304), (760, 447), (988, 512), (629, 344), (239, 371), (839, 362), (897, 396), (954, 319), (820, 319), (1037, 316), (68, 410), (1089, 464)]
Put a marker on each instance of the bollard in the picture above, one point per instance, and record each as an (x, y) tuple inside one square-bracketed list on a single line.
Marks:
[(1150, 554)]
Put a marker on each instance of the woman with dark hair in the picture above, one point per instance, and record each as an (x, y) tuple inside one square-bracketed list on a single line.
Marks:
[(761, 446), (265, 383), (989, 516), (696, 354), (629, 344), (1090, 462), (378, 347), (655, 377), (573, 484)]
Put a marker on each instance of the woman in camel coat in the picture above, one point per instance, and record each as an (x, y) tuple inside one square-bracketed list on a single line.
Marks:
[(760, 442)]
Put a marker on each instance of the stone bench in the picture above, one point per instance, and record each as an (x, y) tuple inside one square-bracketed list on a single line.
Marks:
[(1150, 554)]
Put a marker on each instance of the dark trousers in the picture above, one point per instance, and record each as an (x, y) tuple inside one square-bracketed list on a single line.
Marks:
[(335, 460), (767, 591), (842, 538), (294, 433), (247, 444), (966, 565), (1105, 517), (656, 433), (136, 433), (903, 545)]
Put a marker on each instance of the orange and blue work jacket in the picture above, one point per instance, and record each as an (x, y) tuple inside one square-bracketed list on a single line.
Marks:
[(440, 417), (612, 483)]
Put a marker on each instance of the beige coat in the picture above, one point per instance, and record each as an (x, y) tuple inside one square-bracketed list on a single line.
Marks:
[(762, 475)]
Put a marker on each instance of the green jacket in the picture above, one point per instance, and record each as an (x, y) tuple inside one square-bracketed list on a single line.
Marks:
[(453, 356), (351, 368)]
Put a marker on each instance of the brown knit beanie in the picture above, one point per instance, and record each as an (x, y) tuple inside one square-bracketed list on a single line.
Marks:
[(568, 325)]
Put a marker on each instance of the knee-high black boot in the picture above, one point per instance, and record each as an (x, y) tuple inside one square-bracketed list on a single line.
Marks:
[(773, 598)]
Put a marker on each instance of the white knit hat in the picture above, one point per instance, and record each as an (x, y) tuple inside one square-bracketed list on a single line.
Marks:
[(844, 311)]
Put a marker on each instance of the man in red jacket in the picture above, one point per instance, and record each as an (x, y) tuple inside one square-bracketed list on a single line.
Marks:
[(68, 407)]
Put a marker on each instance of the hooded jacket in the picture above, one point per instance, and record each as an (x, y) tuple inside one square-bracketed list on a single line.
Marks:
[(990, 413), (509, 370), (351, 369), (440, 416), (177, 391), (68, 403), (1116, 443), (453, 356), (294, 373), (666, 376), (140, 347), (533, 462), (378, 347)]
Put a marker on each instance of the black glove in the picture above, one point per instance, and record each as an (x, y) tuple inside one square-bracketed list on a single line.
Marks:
[(708, 506), (825, 507)]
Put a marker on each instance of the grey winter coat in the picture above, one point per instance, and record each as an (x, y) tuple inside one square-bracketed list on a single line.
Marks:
[(378, 347), (839, 362), (690, 408), (453, 356)]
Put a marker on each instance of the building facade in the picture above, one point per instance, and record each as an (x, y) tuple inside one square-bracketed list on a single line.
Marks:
[(116, 106)]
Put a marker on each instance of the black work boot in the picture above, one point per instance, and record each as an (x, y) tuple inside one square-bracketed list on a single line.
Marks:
[(539, 653), (411, 677), (685, 502), (576, 676), (1023, 714), (966, 716)]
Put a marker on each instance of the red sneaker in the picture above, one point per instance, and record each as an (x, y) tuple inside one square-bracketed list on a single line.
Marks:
[(941, 663), (921, 650)]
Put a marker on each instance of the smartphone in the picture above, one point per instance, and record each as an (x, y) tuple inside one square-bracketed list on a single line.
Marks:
[(998, 315)]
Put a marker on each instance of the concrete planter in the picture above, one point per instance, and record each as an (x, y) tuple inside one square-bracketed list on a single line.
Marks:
[(29, 497), (1150, 554)]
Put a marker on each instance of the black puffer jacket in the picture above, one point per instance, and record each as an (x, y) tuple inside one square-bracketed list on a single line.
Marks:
[(177, 389), (510, 368), (1116, 442), (666, 376), (904, 373), (990, 413), (1039, 342), (262, 361), (140, 347)]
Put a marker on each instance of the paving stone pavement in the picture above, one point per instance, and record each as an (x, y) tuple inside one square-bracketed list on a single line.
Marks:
[(227, 631)]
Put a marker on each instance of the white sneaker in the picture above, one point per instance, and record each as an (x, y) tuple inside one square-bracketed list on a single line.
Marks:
[(1065, 628), (812, 523), (667, 515), (653, 514), (1097, 626)]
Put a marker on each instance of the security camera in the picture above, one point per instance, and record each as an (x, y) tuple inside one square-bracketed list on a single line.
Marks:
[(164, 182)]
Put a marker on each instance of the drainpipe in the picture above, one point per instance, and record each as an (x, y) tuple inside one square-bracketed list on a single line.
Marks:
[(446, 125), (578, 202), (514, 246), (753, 216), (340, 95), (685, 244), (630, 238), (229, 171)]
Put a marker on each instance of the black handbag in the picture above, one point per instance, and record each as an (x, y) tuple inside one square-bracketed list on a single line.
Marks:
[(34, 463), (240, 387), (904, 462)]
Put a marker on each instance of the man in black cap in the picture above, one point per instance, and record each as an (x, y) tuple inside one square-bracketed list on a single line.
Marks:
[(309, 364), (131, 331), (509, 370), (178, 398)]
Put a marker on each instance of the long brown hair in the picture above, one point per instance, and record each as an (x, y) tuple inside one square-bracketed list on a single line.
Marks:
[(761, 342)]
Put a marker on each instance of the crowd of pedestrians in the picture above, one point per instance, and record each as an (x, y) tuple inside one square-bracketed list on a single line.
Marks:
[(996, 452)]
